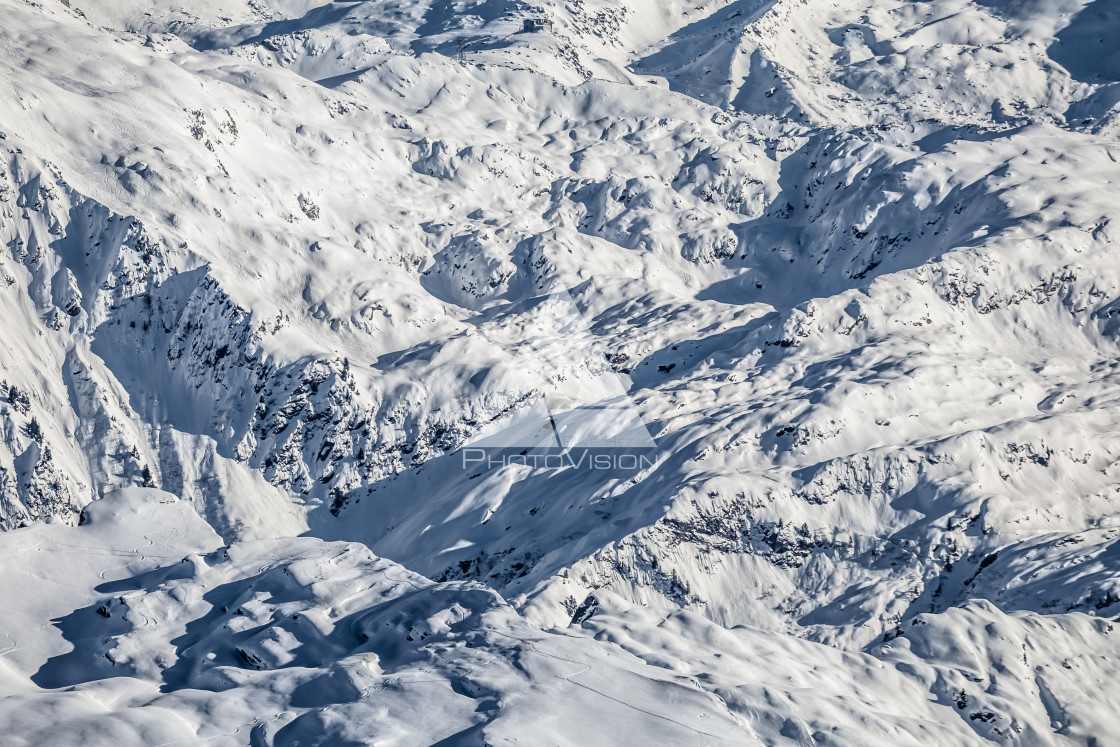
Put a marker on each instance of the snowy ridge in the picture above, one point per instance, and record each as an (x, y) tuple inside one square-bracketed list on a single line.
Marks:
[(851, 265)]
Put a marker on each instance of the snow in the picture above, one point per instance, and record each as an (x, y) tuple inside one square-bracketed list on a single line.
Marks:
[(335, 644), (327, 314)]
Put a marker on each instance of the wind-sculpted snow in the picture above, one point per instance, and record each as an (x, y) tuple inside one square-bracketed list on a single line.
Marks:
[(602, 372)]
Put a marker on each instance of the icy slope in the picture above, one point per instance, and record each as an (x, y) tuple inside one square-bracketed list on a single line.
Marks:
[(854, 273)]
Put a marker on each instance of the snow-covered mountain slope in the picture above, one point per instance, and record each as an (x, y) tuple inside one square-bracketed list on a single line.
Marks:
[(300, 641), (385, 274), (336, 645)]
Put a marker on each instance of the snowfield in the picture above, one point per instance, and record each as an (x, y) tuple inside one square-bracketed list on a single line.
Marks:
[(600, 372)]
